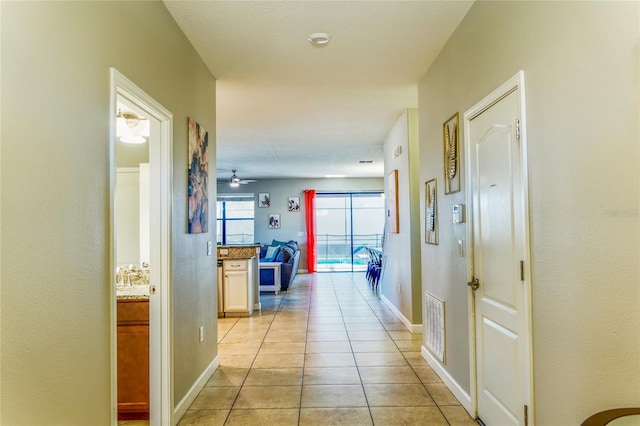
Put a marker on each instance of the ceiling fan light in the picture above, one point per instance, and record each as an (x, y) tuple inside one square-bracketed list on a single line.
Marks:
[(234, 184)]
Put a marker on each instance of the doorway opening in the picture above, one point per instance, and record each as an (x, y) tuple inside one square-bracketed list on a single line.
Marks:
[(347, 223), (141, 193)]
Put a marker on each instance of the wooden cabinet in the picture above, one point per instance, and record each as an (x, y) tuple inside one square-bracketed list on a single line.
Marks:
[(239, 283), (133, 359)]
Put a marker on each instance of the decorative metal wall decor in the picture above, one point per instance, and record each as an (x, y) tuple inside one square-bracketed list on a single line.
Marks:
[(431, 212), (451, 135)]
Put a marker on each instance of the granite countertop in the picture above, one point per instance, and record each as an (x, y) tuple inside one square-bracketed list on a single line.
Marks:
[(246, 251), (136, 292)]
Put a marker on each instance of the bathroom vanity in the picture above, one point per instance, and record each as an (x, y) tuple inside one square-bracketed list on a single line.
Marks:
[(133, 352)]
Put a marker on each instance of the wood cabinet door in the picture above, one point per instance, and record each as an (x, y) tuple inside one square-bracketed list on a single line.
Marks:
[(133, 371), (133, 360)]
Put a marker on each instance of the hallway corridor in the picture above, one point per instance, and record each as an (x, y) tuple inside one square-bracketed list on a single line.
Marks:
[(328, 351)]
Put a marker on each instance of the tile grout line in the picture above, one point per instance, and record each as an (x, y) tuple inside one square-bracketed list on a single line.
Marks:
[(304, 356), (354, 357), (252, 362)]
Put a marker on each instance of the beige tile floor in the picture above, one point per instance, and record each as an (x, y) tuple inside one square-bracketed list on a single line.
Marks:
[(327, 352)]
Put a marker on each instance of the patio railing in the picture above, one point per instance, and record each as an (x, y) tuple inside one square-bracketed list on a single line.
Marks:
[(335, 251)]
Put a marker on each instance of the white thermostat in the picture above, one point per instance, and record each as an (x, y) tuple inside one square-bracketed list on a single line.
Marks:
[(458, 213)]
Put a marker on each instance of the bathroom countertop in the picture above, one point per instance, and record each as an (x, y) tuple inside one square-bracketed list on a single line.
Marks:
[(136, 292)]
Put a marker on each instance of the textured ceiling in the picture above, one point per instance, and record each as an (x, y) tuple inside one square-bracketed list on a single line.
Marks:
[(286, 108)]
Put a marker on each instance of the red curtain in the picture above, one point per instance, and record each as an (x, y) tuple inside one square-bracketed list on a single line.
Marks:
[(310, 212)]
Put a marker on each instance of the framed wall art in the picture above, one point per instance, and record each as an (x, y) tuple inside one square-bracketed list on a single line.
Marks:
[(393, 225), (198, 182), (294, 204), (431, 212), (264, 199), (451, 163), (274, 221)]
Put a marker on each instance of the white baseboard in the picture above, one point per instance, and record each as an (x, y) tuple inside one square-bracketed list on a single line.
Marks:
[(413, 328), (188, 399), (461, 395), (302, 271)]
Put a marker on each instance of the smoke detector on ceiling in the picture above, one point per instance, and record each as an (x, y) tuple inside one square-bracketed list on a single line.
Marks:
[(319, 39)]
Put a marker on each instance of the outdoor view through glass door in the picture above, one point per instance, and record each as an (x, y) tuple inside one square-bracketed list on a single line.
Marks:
[(346, 224)]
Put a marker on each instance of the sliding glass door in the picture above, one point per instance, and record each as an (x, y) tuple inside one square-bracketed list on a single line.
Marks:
[(345, 224)]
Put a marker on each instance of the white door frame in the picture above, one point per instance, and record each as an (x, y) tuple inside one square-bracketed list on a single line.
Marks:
[(515, 82), (160, 336)]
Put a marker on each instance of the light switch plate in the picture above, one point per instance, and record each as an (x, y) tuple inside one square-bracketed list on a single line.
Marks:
[(209, 248)]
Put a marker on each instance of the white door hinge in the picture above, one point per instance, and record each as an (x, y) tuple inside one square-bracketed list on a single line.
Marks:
[(517, 129)]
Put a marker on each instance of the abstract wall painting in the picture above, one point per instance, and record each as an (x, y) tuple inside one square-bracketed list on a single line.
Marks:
[(198, 192)]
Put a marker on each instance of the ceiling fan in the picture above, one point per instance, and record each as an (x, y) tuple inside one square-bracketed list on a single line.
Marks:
[(235, 181)]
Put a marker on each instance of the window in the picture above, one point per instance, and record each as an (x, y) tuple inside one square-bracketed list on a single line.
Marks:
[(235, 218), (347, 223)]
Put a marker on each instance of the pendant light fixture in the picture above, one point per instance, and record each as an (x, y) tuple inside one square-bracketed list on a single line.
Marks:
[(132, 129)]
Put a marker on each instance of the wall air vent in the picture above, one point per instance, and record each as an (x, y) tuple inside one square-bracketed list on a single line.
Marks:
[(366, 161), (434, 326)]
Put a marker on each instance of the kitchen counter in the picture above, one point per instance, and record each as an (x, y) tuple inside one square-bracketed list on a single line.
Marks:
[(238, 279), (132, 292), (238, 251)]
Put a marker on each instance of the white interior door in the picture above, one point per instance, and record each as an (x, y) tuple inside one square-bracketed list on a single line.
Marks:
[(499, 232)]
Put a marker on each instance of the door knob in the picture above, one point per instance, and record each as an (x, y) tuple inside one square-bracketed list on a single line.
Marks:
[(474, 284)]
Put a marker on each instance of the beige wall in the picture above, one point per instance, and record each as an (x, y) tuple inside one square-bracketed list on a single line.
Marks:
[(55, 318), (400, 283), (580, 61)]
